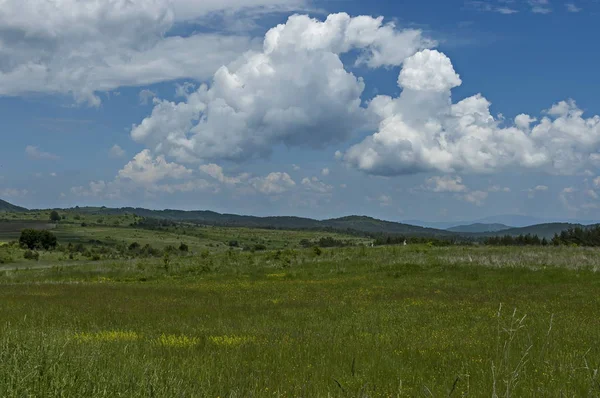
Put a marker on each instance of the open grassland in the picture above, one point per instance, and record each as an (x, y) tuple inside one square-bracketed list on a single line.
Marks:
[(350, 322), (123, 228)]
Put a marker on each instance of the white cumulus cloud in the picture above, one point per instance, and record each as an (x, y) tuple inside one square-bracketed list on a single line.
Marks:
[(146, 170), (446, 184), (147, 174), (116, 152), (82, 47), (476, 197), (295, 92), (216, 172), (428, 70), (422, 130), (315, 185), (274, 183)]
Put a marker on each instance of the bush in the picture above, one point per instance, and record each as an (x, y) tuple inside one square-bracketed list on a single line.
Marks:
[(170, 249), (305, 243), (54, 216), (134, 246), (149, 251), (184, 248), (317, 250), (5, 258), (234, 243), (31, 255), (34, 239), (331, 242)]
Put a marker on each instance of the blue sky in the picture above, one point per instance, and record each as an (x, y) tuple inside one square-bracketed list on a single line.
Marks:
[(187, 105)]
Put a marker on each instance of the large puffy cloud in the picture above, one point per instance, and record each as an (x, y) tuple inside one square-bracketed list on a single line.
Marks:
[(145, 173), (423, 130), (428, 71), (274, 183), (315, 185), (145, 169), (85, 46), (446, 184), (295, 92), (216, 172)]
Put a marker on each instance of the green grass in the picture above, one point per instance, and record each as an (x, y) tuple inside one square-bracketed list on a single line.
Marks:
[(353, 322)]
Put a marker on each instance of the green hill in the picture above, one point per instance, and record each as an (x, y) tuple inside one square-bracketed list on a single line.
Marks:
[(542, 230), (372, 225), (479, 227), (6, 207), (351, 223)]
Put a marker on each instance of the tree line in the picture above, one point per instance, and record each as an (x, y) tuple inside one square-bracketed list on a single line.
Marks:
[(589, 236)]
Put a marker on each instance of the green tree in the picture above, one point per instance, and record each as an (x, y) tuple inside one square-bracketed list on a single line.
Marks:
[(29, 239), (54, 216), (34, 239)]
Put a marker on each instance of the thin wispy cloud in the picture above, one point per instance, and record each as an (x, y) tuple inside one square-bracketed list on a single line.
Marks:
[(506, 10), (502, 8), (571, 7), (540, 6), (35, 153)]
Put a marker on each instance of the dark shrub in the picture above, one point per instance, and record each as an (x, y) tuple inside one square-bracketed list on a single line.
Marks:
[(34, 239), (54, 216), (170, 249), (31, 255)]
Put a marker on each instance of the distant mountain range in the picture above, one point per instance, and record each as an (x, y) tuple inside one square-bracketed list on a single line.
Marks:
[(513, 220), (344, 224), (363, 224), (350, 223), (542, 230), (479, 228)]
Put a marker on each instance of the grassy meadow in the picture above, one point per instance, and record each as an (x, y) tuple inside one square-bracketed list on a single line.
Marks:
[(292, 322)]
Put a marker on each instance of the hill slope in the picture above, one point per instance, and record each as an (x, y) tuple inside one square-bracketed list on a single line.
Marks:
[(542, 230), (354, 223), (8, 207), (479, 227), (372, 225)]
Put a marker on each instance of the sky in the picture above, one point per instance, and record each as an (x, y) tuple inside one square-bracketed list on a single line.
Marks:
[(401, 110)]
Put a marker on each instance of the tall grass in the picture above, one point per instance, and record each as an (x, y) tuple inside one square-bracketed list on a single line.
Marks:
[(354, 322)]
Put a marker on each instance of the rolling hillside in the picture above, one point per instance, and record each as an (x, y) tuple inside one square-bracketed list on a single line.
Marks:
[(372, 225), (479, 227), (353, 223), (542, 230), (7, 207)]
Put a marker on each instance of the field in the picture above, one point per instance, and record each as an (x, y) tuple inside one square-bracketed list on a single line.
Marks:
[(288, 322)]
